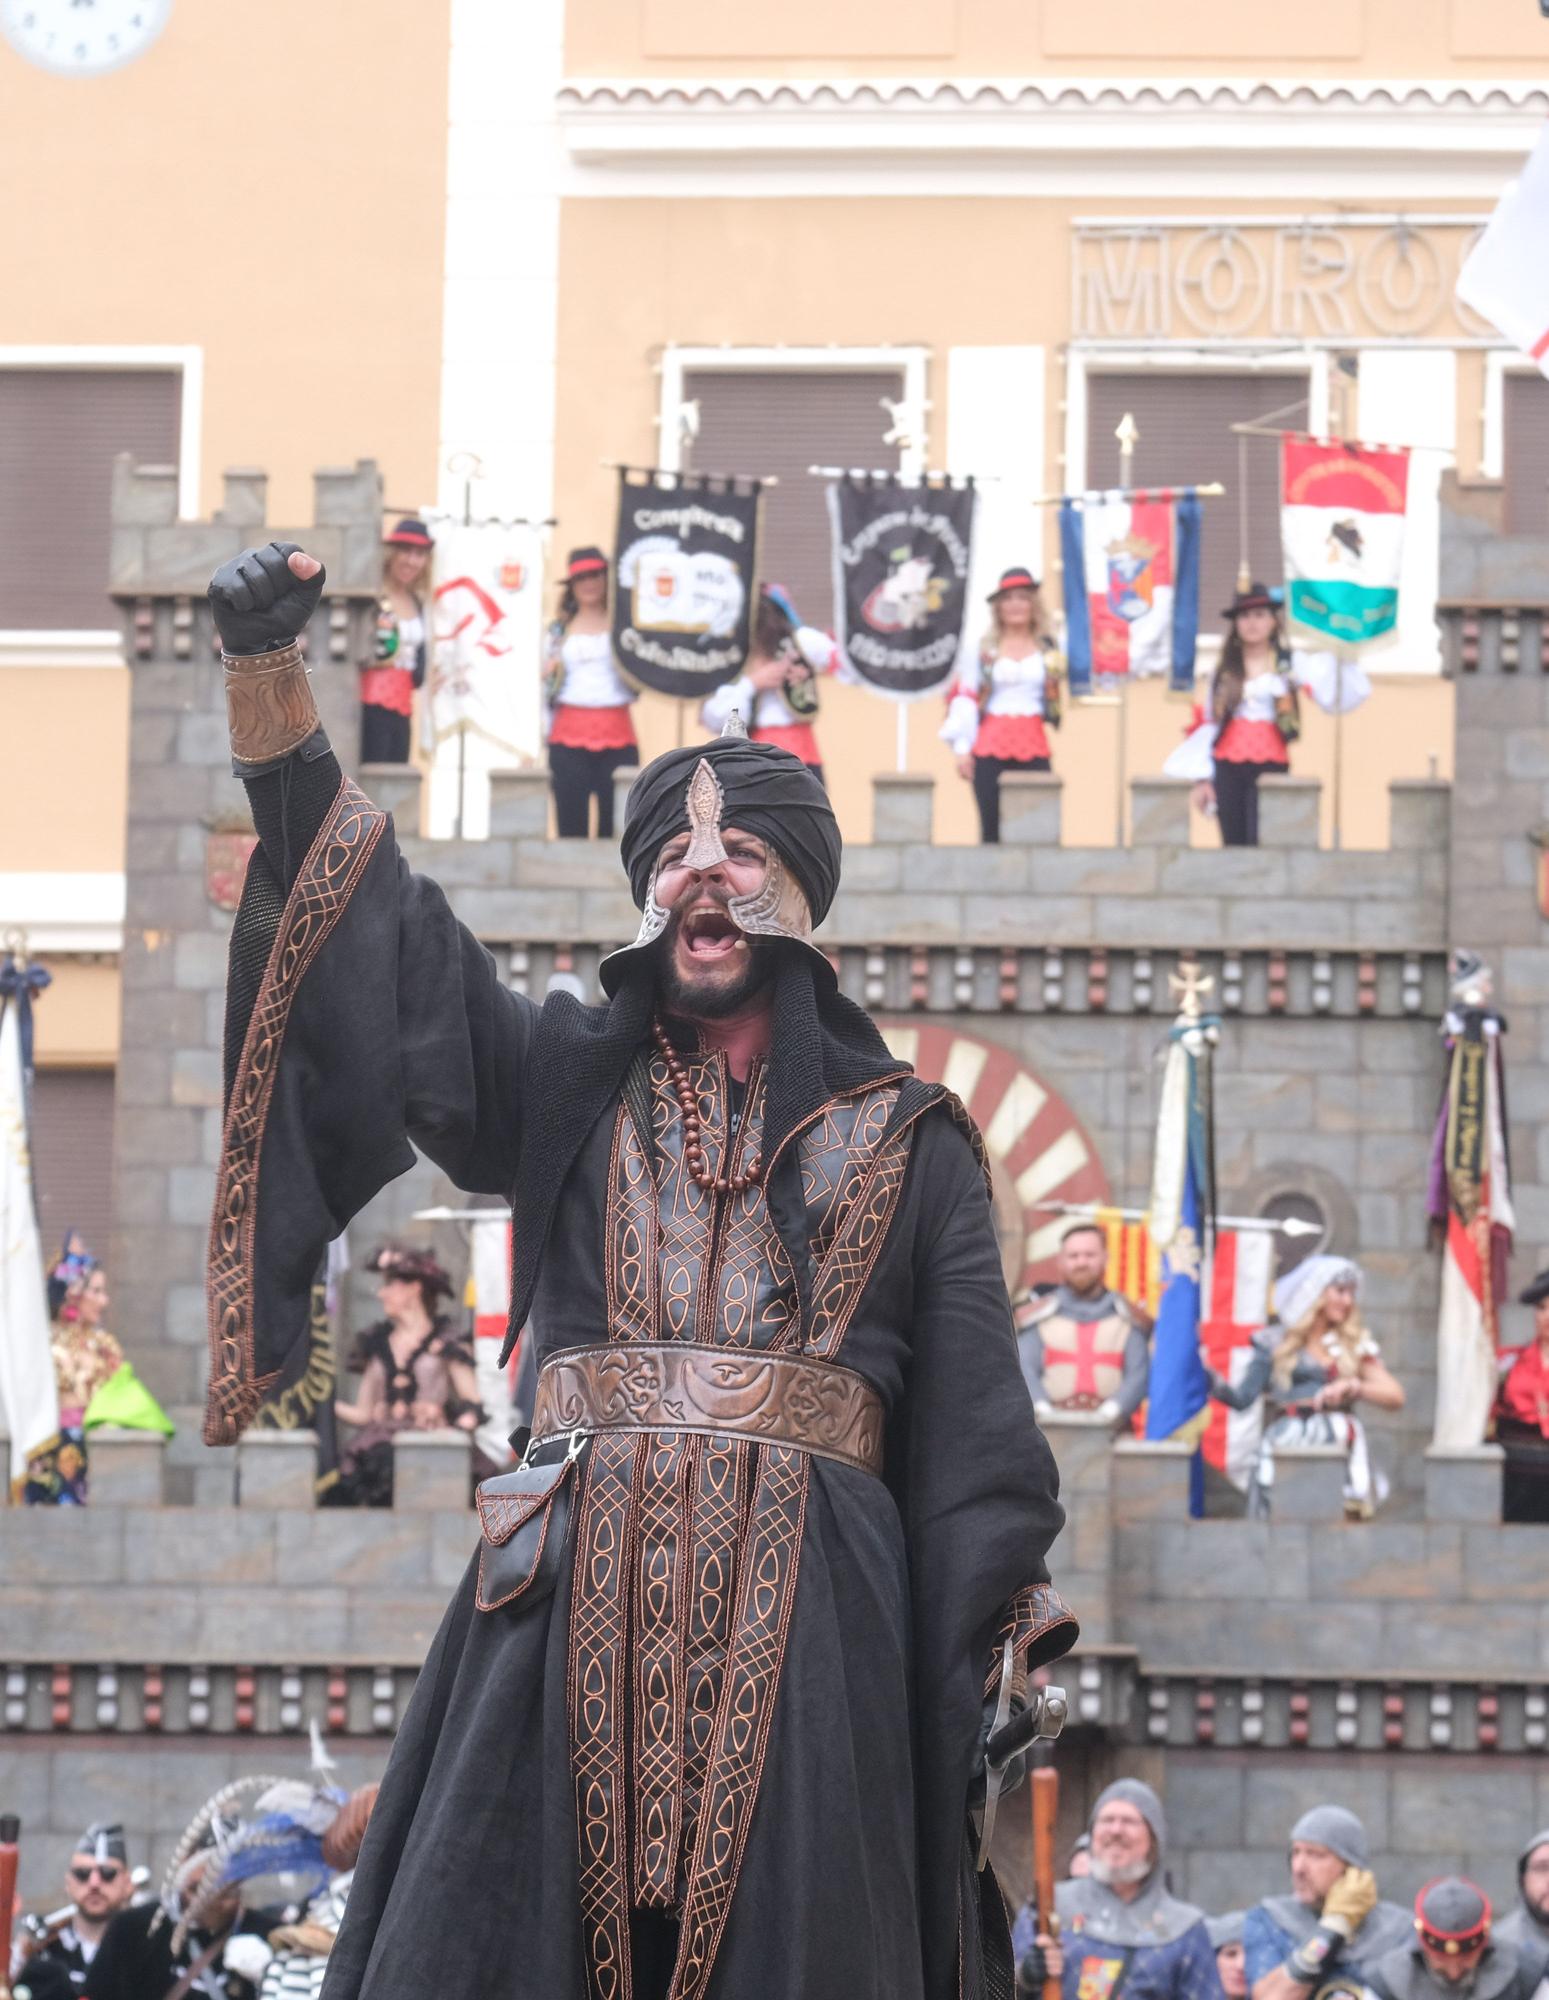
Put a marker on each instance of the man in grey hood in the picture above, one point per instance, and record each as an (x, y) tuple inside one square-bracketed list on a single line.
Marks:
[(1452, 1955), (1121, 1928), (1528, 1924), (1333, 1920)]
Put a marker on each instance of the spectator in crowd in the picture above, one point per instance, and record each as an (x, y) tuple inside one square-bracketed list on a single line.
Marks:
[(97, 1887), (1007, 698), (1332, 1923), (1311, 1365), (587, 723), (1522, 1415), (397, 668), (1231, 1960), (1080, 1859), (776, 694), (416, 1373), (1528, 1924), (1452, 1952), (1083, 1346), (86, 1357), (1121, 1926)]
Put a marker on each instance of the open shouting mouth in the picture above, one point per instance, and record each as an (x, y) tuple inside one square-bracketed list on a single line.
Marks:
[(709, 934)]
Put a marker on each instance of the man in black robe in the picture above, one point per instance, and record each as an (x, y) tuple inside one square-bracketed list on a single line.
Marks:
[(720, 1735)]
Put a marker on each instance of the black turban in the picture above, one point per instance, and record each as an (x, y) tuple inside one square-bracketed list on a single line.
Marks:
[(768, 792)]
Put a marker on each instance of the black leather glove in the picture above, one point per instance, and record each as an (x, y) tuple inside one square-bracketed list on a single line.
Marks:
[(1032, 1971), (259, 602)]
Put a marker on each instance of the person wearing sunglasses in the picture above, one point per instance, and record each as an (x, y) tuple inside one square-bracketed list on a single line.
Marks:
[(98, 1884)]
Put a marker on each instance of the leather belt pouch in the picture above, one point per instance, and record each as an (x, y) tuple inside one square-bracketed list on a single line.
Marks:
[(525, 1515)]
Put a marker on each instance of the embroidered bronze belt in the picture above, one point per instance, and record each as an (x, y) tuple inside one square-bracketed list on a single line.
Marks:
[(785, 1399)]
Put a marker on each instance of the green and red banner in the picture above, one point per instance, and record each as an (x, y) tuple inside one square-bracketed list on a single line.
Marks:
[(1342, 527)]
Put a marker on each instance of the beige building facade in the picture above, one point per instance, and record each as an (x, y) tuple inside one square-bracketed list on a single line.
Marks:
[(502, 249)]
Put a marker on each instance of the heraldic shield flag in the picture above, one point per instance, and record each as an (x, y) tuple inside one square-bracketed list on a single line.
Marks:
[(1131, 585), (687, 551), (1342, 529)]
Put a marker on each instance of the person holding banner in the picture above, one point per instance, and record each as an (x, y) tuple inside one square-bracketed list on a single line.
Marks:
[(589, 730), (388, 680), (776, 693), (1005, 701), (1253, 714)]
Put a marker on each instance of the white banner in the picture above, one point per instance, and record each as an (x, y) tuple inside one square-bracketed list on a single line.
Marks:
[(482, 700), (1506, 275)]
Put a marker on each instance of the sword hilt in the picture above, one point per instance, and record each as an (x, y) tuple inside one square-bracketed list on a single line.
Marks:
[(1041, 1721)]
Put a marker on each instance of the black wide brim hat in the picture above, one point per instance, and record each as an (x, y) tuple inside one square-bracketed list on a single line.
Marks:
[(410, 534), (1019, 578), (414, 1267), (1257, 597), (1537, 1292), (585, 562)]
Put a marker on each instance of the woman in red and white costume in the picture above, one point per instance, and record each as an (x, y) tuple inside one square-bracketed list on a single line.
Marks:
[(1000, 704), (776, 692), (588, 726), (1254, 712)]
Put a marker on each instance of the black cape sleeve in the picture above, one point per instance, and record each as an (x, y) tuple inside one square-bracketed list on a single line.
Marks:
[(979, 1492), (362, 1021)]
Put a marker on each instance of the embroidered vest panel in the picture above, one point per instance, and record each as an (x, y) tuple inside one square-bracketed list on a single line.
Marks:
[(687, 1546)]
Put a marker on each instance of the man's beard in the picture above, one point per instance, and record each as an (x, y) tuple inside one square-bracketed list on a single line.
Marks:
[(1120, 1874), (709, 1000)]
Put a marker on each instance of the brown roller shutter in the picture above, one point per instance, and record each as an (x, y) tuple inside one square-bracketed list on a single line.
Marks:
[(60, 429), (763, 421), (1184, 421), (1526, 454), (72, 1156)]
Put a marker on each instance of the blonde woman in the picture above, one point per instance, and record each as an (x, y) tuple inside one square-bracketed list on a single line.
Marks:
[(1311, 1365), (999, 705)]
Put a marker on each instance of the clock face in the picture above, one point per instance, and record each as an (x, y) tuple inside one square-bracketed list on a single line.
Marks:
[(82, 37)]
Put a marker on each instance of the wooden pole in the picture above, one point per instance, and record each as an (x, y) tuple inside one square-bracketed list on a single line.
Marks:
[(1045, 1789)]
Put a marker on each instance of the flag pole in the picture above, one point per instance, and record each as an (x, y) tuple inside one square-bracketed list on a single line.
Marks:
[(1290, 1225), (1128, 434)]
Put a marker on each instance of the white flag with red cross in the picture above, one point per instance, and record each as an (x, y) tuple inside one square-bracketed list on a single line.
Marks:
[(1238, 1307)]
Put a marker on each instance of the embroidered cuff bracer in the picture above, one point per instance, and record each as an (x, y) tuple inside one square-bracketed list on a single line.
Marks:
[(1041, 1627), (269, 704)]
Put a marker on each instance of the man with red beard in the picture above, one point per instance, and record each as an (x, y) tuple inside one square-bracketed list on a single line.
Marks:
[(707, 1715)]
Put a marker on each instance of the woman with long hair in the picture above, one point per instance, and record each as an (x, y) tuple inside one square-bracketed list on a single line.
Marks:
[(776, 693), (388, 681), (1310, 1367), (1255, 710), (416, 1373), (588, 726), (1006, 699)]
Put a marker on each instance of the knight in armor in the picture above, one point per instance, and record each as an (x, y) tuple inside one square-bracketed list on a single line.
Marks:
[(1121, 1927), (1333, 1925), (1082, 1345), (706, 1715), (1452, 1952), (1528, 1923)]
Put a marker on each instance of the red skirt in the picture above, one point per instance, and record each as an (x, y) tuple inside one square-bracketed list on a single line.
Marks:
[(388, 687), (1243, 742), (1018, 738), (797, 737), (593, 728)]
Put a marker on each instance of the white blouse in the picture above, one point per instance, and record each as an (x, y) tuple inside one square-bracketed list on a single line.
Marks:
[(592, 680), (1017, 687)]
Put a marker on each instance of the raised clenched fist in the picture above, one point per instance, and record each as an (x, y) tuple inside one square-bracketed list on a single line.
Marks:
[(263, 598)]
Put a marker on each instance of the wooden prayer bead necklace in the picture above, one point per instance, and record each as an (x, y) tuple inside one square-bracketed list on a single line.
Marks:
[(693, 1149)]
